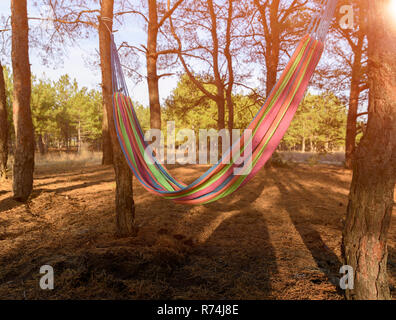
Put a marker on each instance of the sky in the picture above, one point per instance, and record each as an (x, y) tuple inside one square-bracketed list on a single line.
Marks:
[(75, 63)]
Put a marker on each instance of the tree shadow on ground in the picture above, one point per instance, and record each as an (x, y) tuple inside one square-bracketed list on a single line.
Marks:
[(248, 256), (9, 203), (235, 261), (326, 260)]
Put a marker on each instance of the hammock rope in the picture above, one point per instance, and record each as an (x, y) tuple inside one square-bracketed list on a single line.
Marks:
[(268, 126)]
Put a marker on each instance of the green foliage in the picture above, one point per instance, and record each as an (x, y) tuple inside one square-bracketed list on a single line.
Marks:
[(62, 111), (320, 123), (189, 107), (143, 114), (245, 108), (43, 106)]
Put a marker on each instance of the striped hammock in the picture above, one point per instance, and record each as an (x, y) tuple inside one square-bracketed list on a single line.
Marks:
[(268, 127)]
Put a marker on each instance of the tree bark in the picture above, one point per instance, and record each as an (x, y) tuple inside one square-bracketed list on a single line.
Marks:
[(41, 145), (107, 149), (125, 206), (79, 141), (273, 49), (221, 96), (231, 78), (152, 75), (351, 131), (272, 38), (3, 127), (372, 190), (24, 134), (218, 81)]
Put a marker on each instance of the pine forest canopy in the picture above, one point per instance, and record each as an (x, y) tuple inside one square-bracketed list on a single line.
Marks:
[(60, 108)]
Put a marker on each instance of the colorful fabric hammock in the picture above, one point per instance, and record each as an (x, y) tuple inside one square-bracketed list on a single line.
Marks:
[(268, 127)]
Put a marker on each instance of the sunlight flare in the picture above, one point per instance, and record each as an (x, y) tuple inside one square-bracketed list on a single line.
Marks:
[(392, 8)]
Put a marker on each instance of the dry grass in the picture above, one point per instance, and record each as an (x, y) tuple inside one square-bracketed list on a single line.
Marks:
[(277, 238)]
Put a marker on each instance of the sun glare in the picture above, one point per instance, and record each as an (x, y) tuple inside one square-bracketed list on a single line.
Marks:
[(392, 14), (393, 7)]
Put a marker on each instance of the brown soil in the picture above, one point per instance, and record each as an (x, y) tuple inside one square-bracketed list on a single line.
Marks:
[(277, 238)]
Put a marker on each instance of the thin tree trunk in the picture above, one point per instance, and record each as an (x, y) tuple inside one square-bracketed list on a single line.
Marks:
[(272, 47), (125, 207), (24, 135), (230, 108), (152, 75), (227, 53), (40, 143), (272, 68), (372, 190), (107, 149), (221, 113), (3, 127), (272, 58), (350, 141), (79, 143)]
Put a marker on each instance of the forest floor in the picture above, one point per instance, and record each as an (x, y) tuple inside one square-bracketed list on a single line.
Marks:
[(277, 238)]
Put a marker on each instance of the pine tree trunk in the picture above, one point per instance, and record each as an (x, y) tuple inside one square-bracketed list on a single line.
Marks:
[(24, 135), (372, 190), (228, 55), (125, 207), (107, 149), (152, 75), (79, 142), (273, 47), (350, 140), (3, 127), (220, 123), (40, 143)]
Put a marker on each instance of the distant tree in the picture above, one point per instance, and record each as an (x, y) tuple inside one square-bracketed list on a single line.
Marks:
[(43, 104), (90, 116), (320, 122), (143, 114), (206, 35), (276, 26), (157, 49), (66, 89), (154, 23), (64, 113), (3, 126), (76, 20), (371, 198), (24, 135), (350, 45), (190, 107)]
